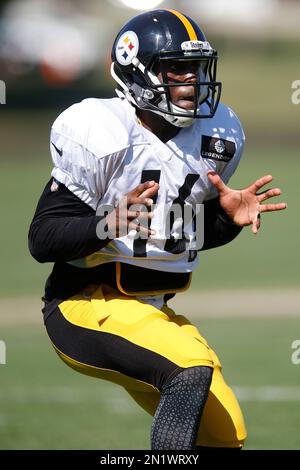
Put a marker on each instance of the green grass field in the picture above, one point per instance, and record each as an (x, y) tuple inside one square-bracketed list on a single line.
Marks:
[(45, 405)]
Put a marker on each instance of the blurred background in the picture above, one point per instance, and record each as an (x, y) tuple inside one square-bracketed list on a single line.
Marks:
[(244, 297)]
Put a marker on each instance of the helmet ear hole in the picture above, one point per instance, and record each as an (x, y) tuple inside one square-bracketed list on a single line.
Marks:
[(155, 68)]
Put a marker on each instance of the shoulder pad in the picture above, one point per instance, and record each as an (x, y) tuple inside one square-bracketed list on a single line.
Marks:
[(101, 126)]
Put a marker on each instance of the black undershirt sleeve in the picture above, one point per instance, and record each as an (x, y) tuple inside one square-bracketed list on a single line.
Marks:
[(63, 227), (218, 227)]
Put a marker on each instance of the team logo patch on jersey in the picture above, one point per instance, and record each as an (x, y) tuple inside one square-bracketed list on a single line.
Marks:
[(217, 149), (127, 48), (220, 146)]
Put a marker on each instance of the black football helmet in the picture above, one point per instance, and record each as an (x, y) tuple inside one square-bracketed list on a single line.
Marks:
[(144, 50)]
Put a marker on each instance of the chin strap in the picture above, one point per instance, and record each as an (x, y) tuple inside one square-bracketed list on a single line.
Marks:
[(178, 121)]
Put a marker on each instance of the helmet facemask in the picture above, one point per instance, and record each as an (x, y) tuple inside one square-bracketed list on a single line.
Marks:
[(201, 88)]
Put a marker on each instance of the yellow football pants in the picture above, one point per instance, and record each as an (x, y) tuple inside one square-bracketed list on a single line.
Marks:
[(105, 334)]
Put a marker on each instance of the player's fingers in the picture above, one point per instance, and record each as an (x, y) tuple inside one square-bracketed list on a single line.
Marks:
[(269, 193), (150, 192), (141, 215), (215, 179), (141, 228), (142, 202), (141, 188), (256, 224), (258, 184), (280, 206)]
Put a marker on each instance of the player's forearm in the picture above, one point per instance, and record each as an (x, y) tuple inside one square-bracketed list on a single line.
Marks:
[(63, 227), (218, 228), (64, 239)]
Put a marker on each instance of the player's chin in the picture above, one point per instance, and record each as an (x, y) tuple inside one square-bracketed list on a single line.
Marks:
[(186, 104)]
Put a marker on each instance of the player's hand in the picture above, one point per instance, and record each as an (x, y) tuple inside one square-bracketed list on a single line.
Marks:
[(244, 206), (134, 211)]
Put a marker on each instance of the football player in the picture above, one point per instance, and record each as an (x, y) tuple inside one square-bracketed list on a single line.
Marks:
[(121, 167)]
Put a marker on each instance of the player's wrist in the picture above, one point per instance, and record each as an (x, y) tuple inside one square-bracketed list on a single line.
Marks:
[(111, 225), (222, 215), (226, 218)]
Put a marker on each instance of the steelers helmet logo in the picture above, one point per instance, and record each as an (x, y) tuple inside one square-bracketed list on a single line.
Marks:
[(220, 146), (127, 48)]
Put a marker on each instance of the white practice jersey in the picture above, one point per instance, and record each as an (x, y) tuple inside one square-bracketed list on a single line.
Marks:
[(101, 152)]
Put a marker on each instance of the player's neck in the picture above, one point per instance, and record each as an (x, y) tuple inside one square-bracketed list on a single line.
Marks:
[(158, 125)]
